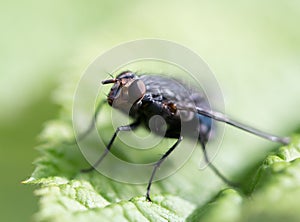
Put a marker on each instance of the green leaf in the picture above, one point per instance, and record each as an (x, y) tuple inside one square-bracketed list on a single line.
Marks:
[(77, 200), (277, 192), (225, 207), (190, 194), (92, 196), (275, 196)]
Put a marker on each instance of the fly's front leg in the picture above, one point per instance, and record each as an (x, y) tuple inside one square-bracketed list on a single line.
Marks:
[(130, 127), (93, 122), (81, 136)]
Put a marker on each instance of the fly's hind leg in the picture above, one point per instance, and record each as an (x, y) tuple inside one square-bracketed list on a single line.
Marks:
[(214, 169)]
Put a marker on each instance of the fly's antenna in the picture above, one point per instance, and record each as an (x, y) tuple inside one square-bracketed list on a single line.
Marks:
[(223, 118), (111, 75)]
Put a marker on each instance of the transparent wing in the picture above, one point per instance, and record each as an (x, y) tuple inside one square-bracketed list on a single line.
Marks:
[(223, 118), (163, 88)]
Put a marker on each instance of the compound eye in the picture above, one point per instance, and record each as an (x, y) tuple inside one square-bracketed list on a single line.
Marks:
[(136, 90)]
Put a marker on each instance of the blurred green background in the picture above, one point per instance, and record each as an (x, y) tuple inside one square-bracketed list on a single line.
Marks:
[(252, 46)]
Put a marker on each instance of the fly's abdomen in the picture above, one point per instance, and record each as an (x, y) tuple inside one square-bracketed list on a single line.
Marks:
[(205, 127)]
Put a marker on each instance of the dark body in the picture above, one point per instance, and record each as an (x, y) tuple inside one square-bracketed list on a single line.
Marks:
[(164, 97)]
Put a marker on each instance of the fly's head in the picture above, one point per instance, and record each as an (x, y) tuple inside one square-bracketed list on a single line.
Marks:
[(127, 90)]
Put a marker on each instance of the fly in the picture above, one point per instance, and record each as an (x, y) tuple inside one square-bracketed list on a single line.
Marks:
[(144, 96)]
